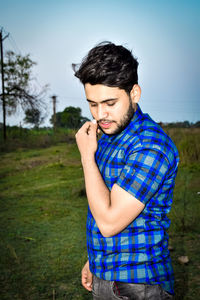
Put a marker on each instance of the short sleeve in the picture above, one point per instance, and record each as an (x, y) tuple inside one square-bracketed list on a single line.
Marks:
[(143, 173)]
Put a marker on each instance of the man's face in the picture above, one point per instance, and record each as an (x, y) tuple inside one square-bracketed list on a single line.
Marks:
[(111, 107)]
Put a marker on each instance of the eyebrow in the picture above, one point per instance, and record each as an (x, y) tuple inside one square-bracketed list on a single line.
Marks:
[(103, 101)]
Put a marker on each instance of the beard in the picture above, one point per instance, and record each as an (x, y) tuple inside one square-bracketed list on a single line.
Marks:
[(124, 121)]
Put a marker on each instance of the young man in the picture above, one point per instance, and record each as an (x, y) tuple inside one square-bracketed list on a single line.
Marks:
[(129, 177)]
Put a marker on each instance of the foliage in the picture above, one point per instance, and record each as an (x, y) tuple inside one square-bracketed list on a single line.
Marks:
[(70, 117), (34, 116), (184, 124), (25, 138), (20, 86), (187, 141)]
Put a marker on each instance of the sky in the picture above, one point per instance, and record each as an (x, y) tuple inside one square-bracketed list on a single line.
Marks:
[(163, 35)]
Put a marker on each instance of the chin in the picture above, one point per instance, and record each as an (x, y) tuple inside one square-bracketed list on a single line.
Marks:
[(111, 132)]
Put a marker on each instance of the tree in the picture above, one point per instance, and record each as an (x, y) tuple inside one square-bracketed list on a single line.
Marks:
[(70, 118), (20, 85), (34, 116)]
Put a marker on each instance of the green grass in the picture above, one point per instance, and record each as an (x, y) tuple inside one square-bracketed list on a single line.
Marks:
[(43, 215), (185, 233)]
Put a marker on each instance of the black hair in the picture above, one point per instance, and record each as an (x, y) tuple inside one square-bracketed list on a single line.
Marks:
[(110, 65)]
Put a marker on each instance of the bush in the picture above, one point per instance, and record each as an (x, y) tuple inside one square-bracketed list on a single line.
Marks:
[(32, 138), (187, 141)]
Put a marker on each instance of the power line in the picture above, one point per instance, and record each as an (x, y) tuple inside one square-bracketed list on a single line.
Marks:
[(19, 52), (11, 40), (14, 45)]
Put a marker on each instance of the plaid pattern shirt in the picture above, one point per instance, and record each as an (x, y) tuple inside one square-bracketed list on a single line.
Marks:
[(142, 160)]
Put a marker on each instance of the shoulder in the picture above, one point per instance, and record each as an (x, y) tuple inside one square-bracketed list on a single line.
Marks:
[(149, 135)]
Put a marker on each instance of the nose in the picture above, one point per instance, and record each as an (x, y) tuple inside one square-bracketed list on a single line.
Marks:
[(102, 112)]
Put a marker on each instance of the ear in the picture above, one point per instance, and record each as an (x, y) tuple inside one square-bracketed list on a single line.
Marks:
[(135, 93)]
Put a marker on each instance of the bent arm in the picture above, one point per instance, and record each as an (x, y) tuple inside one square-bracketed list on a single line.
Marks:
[(114, 210)]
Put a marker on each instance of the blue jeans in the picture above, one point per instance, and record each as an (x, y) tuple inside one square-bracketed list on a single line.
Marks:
[(111, 290)]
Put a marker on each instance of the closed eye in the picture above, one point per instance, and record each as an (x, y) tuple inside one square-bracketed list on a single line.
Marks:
[(93, 104), (111, 103), (108, 102)]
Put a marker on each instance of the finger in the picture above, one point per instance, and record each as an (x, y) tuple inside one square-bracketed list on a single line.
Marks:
[(89, 125), (85, 125), (88, 129), (92, 123), (89, 281), (93, 127), (85, 283), (84, 279)]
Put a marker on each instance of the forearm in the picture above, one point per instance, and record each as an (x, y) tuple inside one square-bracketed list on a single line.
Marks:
[(97, 192)]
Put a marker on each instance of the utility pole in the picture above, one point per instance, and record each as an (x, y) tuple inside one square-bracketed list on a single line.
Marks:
[(2, 81), (54, 99)]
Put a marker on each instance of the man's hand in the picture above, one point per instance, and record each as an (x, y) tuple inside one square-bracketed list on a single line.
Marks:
[(87, 277), (86, 139)]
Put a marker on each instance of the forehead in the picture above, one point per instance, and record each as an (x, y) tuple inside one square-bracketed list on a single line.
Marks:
[(100, 92)]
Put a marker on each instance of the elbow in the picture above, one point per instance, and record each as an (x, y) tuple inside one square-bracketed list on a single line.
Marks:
[(107, 234), (107, 230)]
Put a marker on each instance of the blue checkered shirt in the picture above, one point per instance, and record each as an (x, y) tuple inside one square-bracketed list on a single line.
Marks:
[(142, 160)]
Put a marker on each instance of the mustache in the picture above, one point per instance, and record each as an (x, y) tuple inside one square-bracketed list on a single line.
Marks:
[(105, 120)]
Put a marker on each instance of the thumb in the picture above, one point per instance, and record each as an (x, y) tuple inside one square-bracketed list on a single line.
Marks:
[(94, 121), (94, 126)]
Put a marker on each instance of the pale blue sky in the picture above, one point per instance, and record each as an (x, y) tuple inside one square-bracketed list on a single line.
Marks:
[(163, 35)]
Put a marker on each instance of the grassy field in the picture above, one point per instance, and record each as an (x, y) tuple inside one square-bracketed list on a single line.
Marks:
[(43, 214)]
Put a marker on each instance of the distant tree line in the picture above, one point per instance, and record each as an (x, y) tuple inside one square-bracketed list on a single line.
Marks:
[(184, 124), (74, 120), (70, 117)]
